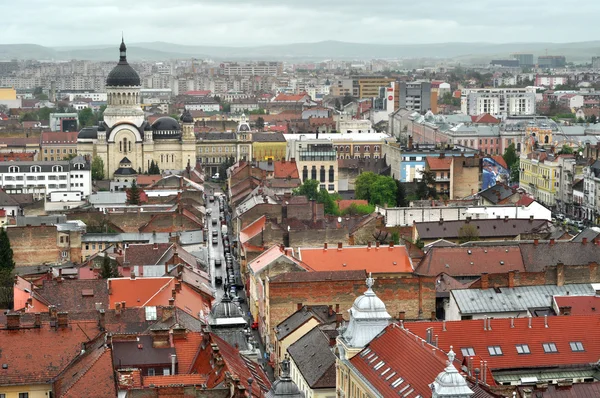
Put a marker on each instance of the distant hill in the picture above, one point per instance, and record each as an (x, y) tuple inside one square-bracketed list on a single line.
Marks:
[(151, 51)]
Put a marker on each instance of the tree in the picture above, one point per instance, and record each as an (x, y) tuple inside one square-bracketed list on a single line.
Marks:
[(97, 168), (592, 119), (355, 209), (468, 233), (510, 155), (133, 197), (6, 252), (580, 120), (310, 189), (400, 194), (396, 237), (383, 191), (86, 117), (515, 173), (153, 169), (329, 205), (109, 268), (565, 150), (44, 113), (260, 123), (363, 184), (230, 161), (28, 117), (226, 107), (7, 266)]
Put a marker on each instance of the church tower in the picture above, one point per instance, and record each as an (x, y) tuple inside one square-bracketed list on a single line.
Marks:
[(188, 140)]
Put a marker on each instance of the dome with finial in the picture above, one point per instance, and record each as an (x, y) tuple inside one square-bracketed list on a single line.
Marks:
[(186, 116), (368, 317), (123, 75), (225, 308), (450, 383), (285, 386)]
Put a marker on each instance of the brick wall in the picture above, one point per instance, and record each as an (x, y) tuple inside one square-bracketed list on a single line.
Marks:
[(367, 232), (465, 176), (34, 245), (273, 211), (316, 237), (415, 296), (305, 211)]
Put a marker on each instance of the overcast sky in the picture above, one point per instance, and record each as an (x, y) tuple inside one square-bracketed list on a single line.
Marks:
[(255, 22)]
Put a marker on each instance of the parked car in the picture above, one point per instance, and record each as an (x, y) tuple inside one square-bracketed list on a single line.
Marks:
[(232, 290), (218, 280), (214, 221), (218, 262), (211, 198), (215, 232), (579, 224), (238, 299), (215, 241), (254, 326)]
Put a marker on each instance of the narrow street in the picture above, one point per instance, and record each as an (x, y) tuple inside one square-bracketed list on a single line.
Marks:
[(216, 252)]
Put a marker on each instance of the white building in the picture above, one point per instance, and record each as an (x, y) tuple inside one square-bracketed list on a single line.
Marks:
[(95, 97), (43, 177), (355, 126), (498, 102)]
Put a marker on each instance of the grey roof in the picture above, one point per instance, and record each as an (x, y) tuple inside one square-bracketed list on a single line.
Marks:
[(39, 220), (128, 353), (217, 136), (190, 237), (314, 359), (497, 193), (99, 198), (536, 257), (46, 166), (268, 137), (138, 237), (486, 228), (588, 233), (517, 299), (88, 132), (7, 200), (300, 317)]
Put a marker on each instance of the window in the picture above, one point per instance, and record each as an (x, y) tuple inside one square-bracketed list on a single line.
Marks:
[(467, 351), (523, 349), (151, 372), (166, 371), (13, 169), (331, 187), (331, 173), (23, 395), (305, 173), (549, 348), (36, 169), (321, 186), (576, 346), (322, 174), (313, 173), (57, 169), (150, 313), (495, 350)]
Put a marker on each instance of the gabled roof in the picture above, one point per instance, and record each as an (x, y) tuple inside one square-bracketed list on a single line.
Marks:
[(303, 315), (314, 359), (536, 257), (497, 193), (396, 352), (384, 259), (285, 169), (92, 368), (289, 97), (72, 295), (561, 330), (579, 305), (143, 254), (252, 229), (266, 258), (485, 118), (29, 364), (471, 261), (438, 163)]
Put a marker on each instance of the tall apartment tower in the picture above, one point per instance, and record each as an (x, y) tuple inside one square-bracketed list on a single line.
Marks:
[(415, 96)]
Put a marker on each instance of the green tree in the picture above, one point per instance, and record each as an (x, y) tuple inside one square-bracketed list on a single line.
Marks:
[(226, 107), (69, 156), (153, 169), (510, 155), (565, 150), (7, 266), (109, 268), (359, 210), (133, 194), (97, 168), (468, 233), (230, 161), (310, 189), (28, 117), (515, 173), (396, 237), (363, 184), (99, 114), (44, 113), (580, 120), (260, 123), (383, 191), (400, 194), (592, 119), (86, 117), (329, 205), (6, 252)]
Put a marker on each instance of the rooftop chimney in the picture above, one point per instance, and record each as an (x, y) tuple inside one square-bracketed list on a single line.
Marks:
[(339, 245), (485, 284), (584, 241), (155, 246), (101, 319), (377, 244), (325, 246), (63, 319), (298, 306), (392, 245), (118, 308), (536, 241), (173, 360), (37, 320), (13, 320)]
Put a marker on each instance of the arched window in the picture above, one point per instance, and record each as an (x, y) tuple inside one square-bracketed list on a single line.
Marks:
[(129, 146), (57, 169), (367, 148), (161, 159), (331, 172), (35, 169), (305, 173), (347, 148), (546, 139), (13, 169), (322, 174), (172, 158), (313, 173)]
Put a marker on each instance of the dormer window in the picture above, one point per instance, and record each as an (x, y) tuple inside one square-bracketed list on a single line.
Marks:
[(36, 169), (57, 169), (13, 169), (79, 166)]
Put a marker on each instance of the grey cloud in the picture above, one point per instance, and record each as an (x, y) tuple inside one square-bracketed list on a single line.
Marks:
[(256, 22)]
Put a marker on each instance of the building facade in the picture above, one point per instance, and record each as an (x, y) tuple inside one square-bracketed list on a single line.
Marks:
[(498, 102), (316, 159), (415, 96)]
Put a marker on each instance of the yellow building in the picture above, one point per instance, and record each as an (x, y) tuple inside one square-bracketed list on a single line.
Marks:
[(267, 146), (539, 176), (8, 94), (368, 86)]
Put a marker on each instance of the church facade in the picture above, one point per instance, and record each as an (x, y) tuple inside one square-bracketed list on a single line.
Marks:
[(125, 132)]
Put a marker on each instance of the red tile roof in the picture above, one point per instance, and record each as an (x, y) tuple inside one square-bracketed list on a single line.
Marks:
[(285, 169), (471, 261), (252, 229), (525, 201), (580, 305), (500, 160), (439, 163), (37, 355), (201, 93), (290, 98), (17, 156), (384, 259), (59, 138), (187, 350), (485, 118), (184, 379), (561, 330), (138, 292), (93, 368), (396, 348), (143, 254)]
